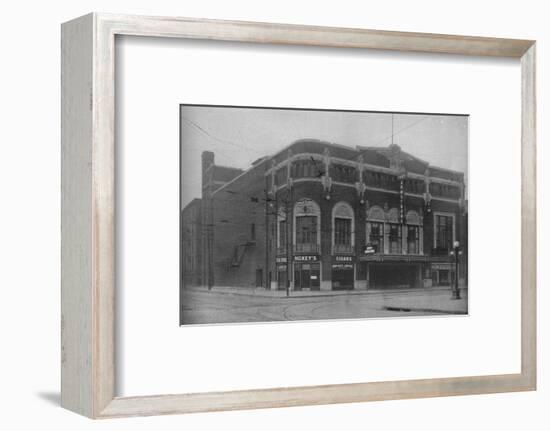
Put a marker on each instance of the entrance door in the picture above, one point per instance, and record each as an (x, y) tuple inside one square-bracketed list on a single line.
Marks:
[(259, 277), (281, 277), (444, 277), (306, 276), (392, 276)]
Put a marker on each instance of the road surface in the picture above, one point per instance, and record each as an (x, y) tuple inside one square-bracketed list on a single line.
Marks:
[(206, 307)]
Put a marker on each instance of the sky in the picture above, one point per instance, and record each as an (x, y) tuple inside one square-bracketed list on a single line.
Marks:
[(238, 136)]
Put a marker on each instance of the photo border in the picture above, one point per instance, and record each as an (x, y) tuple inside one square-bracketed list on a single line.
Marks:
[(88, 204)]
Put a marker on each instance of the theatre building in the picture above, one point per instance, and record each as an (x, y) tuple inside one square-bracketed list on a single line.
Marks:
[(322, 216)]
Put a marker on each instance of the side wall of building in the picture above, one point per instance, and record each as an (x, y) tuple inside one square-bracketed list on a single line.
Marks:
[(191, 231), (239, 235)]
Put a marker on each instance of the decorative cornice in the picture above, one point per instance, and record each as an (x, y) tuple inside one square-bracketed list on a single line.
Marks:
[(327, 159)]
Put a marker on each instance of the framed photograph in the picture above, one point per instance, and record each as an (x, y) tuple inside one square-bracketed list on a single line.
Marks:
[(395, 233), (352, 211)]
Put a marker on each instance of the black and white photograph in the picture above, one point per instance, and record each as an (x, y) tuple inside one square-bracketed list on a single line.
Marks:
[(304, 214), (255, 216)]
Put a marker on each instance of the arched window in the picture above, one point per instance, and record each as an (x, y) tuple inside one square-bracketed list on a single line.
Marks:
[(376, 213), (375, 228), (394, 231), (413, 232), (343, 228), (307, 226), (393, 215), (412, 217)]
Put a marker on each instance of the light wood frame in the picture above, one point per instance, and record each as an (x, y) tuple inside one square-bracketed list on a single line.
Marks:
[(88, 215)]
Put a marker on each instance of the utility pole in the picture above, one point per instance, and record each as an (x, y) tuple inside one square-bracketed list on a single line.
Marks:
[(266, 198), (210, 231), (456, 251), (288, 241), (289, 228)]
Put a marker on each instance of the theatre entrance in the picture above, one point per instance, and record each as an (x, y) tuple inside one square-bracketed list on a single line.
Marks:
[(393, 276)]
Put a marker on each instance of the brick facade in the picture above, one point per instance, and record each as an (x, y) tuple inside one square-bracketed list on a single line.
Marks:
[(340, 203)]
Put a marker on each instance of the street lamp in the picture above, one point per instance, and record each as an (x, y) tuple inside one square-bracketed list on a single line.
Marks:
[(456, 252)]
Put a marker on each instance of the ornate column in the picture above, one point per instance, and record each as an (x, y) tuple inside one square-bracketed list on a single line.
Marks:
[(421, 235), (326, 180), (386, 231), (402, 218)]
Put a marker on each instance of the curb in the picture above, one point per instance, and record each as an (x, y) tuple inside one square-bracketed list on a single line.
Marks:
[(320, 295), (424, 310)]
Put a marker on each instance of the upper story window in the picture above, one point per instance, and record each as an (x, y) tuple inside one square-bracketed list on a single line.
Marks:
[(445, 190), (443, 232), (280, 176), (411, 185), (375, 235), (343, 226), (375, 228), (394, 235), (380, 180), (413, 239), (307, 223), (343, 173), (394, 231), (413, 232), (342, 232), (306, 233), (448, 175), (306, 169)]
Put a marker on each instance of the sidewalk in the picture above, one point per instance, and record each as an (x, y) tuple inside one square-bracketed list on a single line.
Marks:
[(440, 302), (265, 293)]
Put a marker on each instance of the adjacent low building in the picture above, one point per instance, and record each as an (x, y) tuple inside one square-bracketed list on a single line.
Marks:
[(322, 216)]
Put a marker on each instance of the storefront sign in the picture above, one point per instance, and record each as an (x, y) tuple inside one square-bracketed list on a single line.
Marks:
[(342, 266), (436, 266), (306, 258), (281, 260), (343, 258), (369, 249)]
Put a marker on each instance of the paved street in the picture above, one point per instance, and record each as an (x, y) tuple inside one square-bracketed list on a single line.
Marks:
[(225, 306)]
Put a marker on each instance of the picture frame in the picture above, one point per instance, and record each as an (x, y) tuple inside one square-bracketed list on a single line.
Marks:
[(88, 205)]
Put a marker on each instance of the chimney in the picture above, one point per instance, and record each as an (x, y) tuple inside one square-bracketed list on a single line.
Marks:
[(207, 161)]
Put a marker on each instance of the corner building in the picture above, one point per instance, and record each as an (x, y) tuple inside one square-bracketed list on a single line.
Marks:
[(321, 216)]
